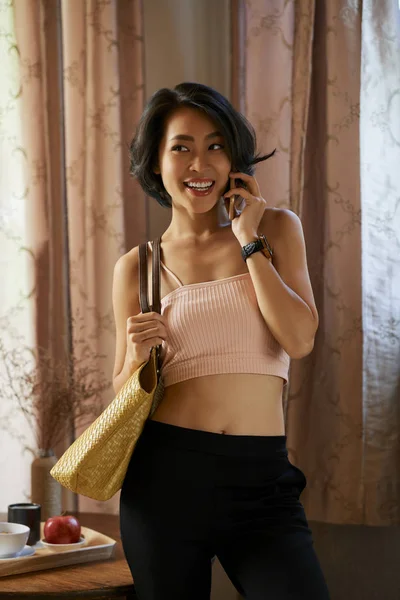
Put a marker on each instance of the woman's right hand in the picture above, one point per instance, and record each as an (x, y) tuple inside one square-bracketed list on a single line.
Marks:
[(144, 331)]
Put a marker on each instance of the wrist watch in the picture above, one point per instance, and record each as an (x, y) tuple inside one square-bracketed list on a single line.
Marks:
[(260, 244)]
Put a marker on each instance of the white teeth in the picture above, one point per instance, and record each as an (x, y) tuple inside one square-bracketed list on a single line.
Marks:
[(202, 186)]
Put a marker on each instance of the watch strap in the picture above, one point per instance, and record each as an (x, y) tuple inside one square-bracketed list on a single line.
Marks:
[(260, 244)]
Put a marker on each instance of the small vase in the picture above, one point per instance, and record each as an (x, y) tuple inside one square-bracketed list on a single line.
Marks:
[(45, 490)]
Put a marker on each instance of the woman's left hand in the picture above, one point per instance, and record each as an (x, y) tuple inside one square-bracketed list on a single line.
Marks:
[(248, 218)]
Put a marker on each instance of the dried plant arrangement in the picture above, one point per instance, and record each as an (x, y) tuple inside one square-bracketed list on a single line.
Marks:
[(50, 394)]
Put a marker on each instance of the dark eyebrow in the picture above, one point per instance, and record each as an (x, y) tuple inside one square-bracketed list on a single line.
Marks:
[(189, 138)]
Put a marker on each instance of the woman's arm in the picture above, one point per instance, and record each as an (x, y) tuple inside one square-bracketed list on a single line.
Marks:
[(283, 289), (125, 304)]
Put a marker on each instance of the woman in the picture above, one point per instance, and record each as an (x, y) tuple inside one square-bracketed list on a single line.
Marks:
[(210, 475)]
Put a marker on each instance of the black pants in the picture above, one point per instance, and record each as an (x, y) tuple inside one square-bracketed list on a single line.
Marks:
[(189, 495)]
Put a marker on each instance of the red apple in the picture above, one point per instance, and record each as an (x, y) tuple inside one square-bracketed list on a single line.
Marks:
[(62, 530)]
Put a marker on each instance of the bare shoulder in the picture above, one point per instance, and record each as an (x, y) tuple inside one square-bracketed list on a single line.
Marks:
[(279, 223), (126, 280), (128, 264)]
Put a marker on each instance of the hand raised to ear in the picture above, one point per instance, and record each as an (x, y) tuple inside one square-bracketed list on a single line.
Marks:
[(248, 221)]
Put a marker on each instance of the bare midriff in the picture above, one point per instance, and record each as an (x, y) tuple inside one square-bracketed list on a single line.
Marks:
[(232, 404)]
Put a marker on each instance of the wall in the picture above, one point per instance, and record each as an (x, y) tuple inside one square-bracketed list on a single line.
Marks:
[(359, 561), (185, 40)]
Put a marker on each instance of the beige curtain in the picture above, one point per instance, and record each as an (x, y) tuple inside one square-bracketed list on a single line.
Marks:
[(81, 95), (102, 49), (16, 318), (309, 68)]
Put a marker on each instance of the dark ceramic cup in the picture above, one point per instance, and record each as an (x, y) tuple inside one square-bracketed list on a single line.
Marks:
[(28, 514)]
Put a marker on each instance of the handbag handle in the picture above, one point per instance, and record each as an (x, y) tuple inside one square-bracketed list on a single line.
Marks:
[(156, 277), (156, 284)]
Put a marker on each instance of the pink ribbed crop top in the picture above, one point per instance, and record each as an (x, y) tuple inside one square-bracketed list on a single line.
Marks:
[(217, 327)]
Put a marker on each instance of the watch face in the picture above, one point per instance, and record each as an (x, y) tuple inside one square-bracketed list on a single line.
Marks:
[(266, 245)]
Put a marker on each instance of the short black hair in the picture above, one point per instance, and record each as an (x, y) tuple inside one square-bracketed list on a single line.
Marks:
[(238, 133)]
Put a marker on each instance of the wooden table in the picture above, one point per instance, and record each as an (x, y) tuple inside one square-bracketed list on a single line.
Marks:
[(97, 580)]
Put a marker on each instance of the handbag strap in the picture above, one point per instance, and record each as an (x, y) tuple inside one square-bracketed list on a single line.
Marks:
[(156, 277), (156, 284)]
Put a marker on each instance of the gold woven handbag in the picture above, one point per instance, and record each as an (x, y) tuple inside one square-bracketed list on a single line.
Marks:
[(96, 463)]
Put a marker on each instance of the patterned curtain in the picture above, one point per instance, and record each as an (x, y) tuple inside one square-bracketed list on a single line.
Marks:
[(322, 86), (79, 88), (104, 94)]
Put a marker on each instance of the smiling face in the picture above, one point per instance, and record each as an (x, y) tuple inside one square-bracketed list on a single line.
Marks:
[(193, 161)]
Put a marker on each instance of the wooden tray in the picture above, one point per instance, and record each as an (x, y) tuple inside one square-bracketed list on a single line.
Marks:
[(98, 547)]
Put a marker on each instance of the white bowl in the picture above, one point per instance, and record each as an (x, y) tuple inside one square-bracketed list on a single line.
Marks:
[(13, 538), (64, 547)]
